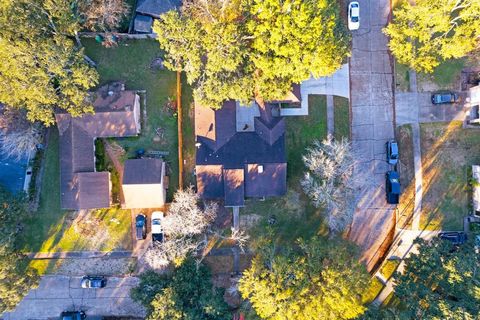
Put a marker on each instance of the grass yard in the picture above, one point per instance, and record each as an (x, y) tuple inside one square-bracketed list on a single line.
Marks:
[(341, 117), (132, 62), (372, 291), (188, 132), (448, 152), (402, 77), (407, 175), (295, 216), (52, 229), (445, 77), (389, 268)]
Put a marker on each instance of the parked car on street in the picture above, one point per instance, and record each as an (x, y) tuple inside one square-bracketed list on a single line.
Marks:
[(157, 226), (392, 152), (455, 237), (353, 15), (393, 187), (141, 226), (73, 315), (444, 97), (94, 282)]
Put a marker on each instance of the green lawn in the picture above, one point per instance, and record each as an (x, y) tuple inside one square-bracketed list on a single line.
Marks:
[(374, 288), (389, 268), (448, 152), (341, 117), (402, 78), (294, 215), (446, 75), (188, 131), (131, 62)]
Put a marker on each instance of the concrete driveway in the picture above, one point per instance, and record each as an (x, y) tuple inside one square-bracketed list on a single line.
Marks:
[(412, 107), (62, 293), (371, 96)]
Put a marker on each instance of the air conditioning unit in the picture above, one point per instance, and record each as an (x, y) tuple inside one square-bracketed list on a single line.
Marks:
[(260, 169)]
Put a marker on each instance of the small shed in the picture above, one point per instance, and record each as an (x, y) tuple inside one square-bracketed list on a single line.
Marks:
[(476, 189), (144, 183), (142, 24)]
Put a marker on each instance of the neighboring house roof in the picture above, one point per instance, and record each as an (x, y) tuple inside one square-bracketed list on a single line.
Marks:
[(155, 8), (226, 158), (115, 116), (143, 185), (142, 24)]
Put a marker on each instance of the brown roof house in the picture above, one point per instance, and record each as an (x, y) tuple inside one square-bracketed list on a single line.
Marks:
[(240, 152), (117, 114), (144, 183)]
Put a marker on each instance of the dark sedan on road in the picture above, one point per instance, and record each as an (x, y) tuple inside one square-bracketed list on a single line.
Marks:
[(444, 97), (455, 237), (94, 282), (392, 187)]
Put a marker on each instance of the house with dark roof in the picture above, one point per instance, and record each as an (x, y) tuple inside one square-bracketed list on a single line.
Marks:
[(144, 184), (241, 151), (117, 114), (147, 10)]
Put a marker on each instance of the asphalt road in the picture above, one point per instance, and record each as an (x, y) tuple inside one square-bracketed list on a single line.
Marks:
[(372, 102), (62, 293)]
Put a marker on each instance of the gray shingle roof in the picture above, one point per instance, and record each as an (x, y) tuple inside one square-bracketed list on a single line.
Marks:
[(155, 8), (142, 171)]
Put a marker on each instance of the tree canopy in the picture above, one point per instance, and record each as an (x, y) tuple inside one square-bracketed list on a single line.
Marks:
[(243, 49), (41, 68), (187, 294), (16, 279), (424, 34), (440, 282), (319, 279)]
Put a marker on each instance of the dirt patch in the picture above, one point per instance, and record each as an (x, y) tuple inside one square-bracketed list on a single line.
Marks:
[(448, 152), (80, 267)]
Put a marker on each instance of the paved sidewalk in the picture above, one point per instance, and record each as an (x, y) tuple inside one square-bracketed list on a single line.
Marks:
[(60, 293), (330, 115)]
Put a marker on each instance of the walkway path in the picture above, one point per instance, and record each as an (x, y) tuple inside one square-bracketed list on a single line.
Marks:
[(372, 104), (330, 115)]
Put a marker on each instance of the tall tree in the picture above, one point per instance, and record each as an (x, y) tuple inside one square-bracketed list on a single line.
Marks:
[(103, 15), (425, 33), (321, 279), (16, 279), (41, 68), (187, 294), (241, 49), (440, 282), (329, 181)]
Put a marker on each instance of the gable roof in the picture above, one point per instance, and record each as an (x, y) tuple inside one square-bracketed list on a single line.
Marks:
[(224, 156), (81, 187), (142, 171)]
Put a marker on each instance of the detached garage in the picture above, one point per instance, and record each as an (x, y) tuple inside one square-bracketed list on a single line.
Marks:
[(144, 183)]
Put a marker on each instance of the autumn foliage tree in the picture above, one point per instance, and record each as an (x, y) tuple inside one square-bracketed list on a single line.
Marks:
[(103, 15), (41, 69), (423, 33), (240, 49), (316, 279)]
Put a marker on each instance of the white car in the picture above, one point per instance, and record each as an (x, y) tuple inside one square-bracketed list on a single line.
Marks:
[(353, 15), (157, 226)]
